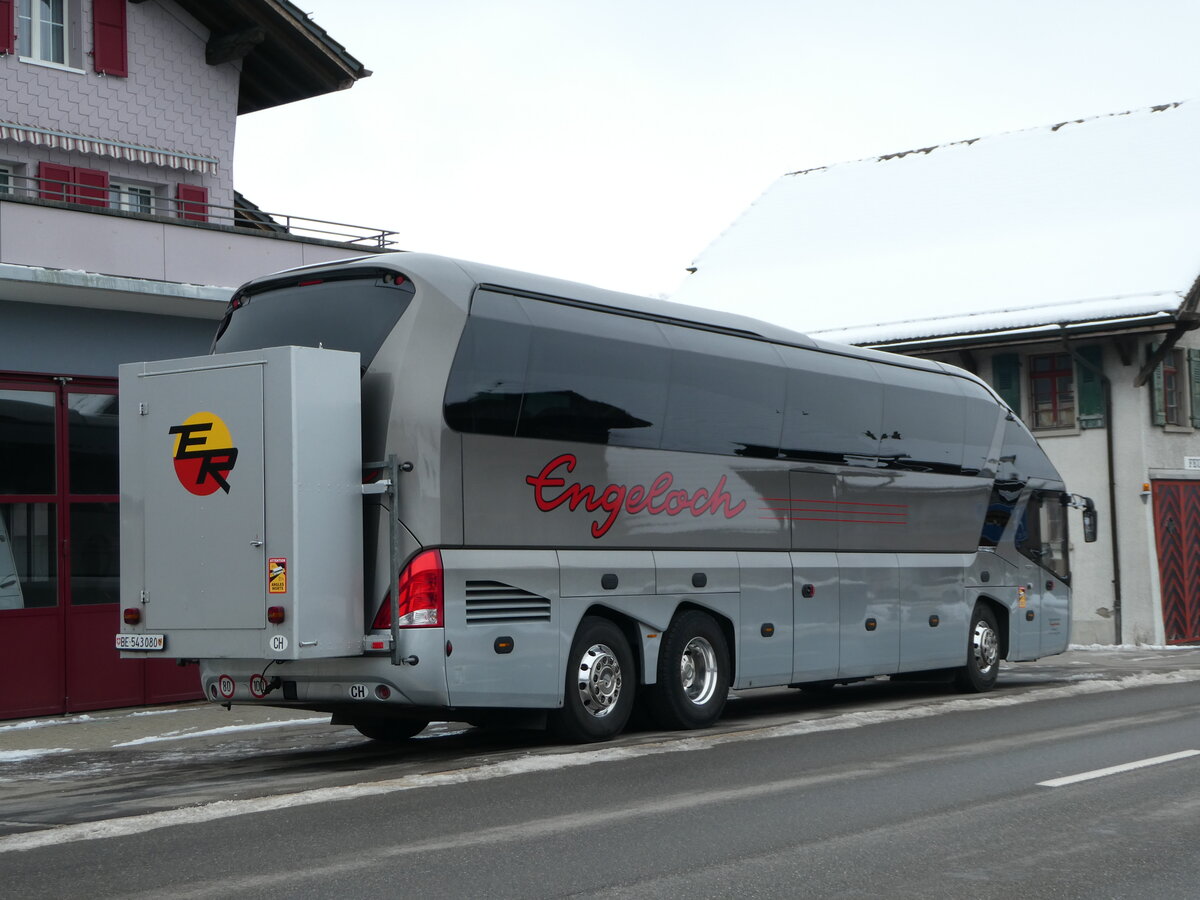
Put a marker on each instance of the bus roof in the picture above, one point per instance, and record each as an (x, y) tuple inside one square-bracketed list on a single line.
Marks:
[(431, 265)]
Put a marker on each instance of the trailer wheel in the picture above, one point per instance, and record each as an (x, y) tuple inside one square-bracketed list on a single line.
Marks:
[(600, 684), (983, 653), (693, 673), (391, 731)]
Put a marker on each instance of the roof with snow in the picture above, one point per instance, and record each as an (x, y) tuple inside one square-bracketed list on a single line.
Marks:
[(1090, 221)]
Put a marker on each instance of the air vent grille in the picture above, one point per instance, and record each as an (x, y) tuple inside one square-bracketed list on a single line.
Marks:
[(493, 602)]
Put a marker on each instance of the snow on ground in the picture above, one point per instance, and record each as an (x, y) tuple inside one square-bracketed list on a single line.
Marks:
[(8, 756), (226, 729), (1114, 647), (43, 723)]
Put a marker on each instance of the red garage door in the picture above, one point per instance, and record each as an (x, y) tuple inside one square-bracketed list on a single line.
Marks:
[(60, 554), (1177, 530)]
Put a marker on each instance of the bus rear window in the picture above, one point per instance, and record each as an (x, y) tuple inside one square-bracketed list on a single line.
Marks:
[(337, 311)]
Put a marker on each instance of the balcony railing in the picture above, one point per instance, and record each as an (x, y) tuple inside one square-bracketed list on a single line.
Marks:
[(144, 202)]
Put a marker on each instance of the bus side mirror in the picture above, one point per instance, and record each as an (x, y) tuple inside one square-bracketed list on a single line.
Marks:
[(1089, 523)]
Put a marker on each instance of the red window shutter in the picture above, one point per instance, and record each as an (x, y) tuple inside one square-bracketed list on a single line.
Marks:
[(91, 187), (8, 27), (109, 41), (192, 202), (55, 181)]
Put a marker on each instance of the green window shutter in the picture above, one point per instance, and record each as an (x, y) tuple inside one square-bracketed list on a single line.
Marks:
[(1158, 402), (1006, 379), (1194, 374), (1091, 388)]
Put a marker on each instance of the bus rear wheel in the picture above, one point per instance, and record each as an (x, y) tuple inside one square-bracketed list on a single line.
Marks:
[(600, 684), (983, 653), (391, 731), (693, 673)]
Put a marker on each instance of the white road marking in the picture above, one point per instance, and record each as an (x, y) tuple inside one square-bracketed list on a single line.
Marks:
[(223, 809), (1116, 770)]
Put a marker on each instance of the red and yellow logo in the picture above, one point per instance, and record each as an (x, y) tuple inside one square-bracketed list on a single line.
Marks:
[(204, 453)]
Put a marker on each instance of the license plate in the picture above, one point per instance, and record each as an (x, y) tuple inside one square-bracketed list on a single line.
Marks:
[(141, 642)]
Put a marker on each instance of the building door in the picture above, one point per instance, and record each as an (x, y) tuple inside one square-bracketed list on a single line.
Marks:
[(1177, 532), (59, 556), (31, 613)]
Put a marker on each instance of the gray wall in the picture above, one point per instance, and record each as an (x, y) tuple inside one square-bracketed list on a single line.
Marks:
[(66, 340)]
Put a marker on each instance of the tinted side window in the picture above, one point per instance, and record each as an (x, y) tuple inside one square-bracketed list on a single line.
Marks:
[(726, 395), (834, 409), (922, 421), (1021, 458), (593, 377), (1000, 509), (983, 414), (487, 380)]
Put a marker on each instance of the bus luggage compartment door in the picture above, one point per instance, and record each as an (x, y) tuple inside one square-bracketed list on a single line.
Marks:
[(502, 623), (241, 504)]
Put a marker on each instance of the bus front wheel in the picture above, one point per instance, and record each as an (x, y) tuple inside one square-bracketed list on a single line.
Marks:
[(983, 653), (693, 673), (600, 684)]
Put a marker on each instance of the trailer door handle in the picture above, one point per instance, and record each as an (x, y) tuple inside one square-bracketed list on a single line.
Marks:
[(256, 543)]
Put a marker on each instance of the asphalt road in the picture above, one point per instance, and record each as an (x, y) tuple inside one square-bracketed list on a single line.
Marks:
[(881, 789)]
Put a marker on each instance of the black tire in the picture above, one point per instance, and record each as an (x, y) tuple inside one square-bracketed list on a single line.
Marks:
[(601, 682), (391, 731), (983, 653), (693, 673)]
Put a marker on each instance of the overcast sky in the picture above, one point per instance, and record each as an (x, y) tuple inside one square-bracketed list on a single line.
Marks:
[(610, 142)]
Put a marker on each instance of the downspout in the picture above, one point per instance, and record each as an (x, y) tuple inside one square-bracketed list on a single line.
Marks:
[(1106, 387)]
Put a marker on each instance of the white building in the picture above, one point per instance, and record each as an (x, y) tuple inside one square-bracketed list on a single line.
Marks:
[(1060, 264)]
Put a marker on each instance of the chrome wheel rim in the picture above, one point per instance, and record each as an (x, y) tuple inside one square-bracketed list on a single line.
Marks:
[(985, 647), (698, 671), (599, 682)]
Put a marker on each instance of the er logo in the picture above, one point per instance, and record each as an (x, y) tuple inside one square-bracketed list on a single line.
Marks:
[(204, 453)]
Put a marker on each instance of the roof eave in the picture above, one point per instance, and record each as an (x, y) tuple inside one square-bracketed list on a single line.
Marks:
[(1126, 325), (284, 55)]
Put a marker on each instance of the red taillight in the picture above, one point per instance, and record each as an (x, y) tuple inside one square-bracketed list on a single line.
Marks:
[(275, 615), (132, 615), (420, 592)]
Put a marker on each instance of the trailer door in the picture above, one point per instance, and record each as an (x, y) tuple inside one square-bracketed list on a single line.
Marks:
[(204, 499)]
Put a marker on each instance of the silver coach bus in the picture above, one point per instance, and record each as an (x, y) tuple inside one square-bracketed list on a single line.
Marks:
[(406, 487)]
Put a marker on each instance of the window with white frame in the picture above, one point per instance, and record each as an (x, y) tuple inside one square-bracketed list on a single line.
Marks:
[(6, 179), (131, 197), (42, 30)]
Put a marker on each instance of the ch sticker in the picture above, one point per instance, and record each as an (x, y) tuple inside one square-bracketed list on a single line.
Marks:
[(204, 454), (277, 575)]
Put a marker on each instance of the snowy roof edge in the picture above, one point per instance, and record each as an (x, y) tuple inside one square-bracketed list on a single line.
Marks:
[(887, 157)]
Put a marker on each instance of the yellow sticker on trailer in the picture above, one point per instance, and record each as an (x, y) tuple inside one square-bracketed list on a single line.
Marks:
[(277, 575)]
